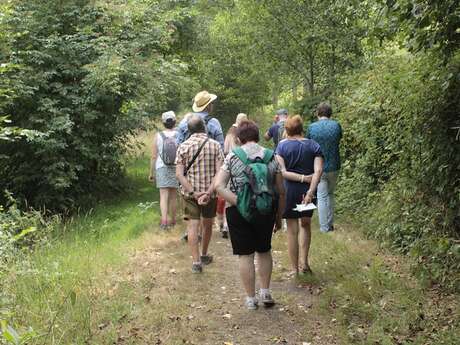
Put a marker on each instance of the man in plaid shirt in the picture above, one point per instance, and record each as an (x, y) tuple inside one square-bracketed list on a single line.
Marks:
[(198, 160)]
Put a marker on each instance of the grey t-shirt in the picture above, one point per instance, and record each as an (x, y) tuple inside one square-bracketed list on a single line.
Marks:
[(234, 166)]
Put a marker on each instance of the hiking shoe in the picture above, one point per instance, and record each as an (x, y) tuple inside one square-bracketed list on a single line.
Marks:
[(206, 259), (225, 234), (267, 299), (184, 237), (251, 303), (197, 268), (306, 270), (164, 227)]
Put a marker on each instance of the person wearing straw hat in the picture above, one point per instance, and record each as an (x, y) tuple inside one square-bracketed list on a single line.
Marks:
[(203, 106)]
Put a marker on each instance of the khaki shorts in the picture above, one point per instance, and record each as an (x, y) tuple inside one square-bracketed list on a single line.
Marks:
[(194, 211)]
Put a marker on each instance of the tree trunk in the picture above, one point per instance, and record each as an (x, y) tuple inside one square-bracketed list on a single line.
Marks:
[(275, 96), (311, 83), (294, 90)]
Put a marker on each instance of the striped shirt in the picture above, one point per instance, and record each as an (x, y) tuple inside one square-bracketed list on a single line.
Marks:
[(204, 168)]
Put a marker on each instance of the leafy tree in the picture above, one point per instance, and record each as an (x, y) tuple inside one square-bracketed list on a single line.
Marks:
[(427, 24), (84, 76)]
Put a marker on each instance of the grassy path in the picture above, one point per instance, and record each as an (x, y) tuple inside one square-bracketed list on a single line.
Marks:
[(114, 278)]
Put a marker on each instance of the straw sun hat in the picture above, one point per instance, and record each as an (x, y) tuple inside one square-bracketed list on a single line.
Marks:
[(201, 100)]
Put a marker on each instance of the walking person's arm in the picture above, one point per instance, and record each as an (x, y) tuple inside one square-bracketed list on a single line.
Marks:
[(281, 201), (219, 135), (222, 179), (204, 199), (268, 134), (292, 176), (318, 168), (188, 188), (153, 159)]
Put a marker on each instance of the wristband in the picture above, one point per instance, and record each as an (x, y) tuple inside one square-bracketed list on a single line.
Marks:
[(301, 180)]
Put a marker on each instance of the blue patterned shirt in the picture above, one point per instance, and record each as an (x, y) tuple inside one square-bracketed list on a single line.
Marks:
[(327, 133), (214, 129)]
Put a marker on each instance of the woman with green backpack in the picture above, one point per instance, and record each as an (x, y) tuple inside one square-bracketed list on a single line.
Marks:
[(250, 181)]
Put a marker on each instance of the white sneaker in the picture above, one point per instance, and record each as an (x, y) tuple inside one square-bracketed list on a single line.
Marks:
[(251, 303), (267, 299)]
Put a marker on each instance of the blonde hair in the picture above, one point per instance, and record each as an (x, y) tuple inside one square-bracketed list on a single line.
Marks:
[(294, 125), (240, 118)]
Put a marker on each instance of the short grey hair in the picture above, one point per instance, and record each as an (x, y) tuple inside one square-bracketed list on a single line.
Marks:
[(196, 124)]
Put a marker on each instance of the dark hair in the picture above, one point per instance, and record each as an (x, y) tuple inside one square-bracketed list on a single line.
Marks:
[(169, 123), (324, 109), (247, 131), (195, 124), (294, 125)]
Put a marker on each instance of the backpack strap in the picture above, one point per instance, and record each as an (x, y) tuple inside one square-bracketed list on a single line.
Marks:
[(197, 153), (241, 154), (268, 156)]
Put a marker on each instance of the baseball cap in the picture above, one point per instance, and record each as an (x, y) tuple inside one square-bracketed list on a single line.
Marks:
[(168, 115), (282, 112)]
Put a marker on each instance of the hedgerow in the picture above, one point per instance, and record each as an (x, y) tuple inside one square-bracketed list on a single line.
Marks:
[(401, 171)]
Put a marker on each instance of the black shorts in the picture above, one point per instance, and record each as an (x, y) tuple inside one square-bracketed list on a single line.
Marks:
[(246, 237)]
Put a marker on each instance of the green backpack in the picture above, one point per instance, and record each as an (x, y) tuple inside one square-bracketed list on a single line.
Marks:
[(256, 196)]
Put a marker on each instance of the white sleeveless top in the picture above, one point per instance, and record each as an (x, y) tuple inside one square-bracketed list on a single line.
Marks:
[(168, 133)]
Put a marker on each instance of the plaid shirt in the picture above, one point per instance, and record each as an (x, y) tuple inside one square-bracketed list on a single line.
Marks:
[(204, 168)]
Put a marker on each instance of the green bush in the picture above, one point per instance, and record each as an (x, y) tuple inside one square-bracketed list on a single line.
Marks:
[(82, 77), (401, 171)]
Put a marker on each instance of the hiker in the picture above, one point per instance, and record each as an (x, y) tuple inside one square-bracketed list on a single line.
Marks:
[(276, 131), (163, 161), (327, 133), (203, 105), (301, 164), (231, 141), (198, 160), (251, 228)]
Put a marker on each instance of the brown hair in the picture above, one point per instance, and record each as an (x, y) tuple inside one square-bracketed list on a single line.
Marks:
[(247, 131), (324, 109), (294, 125)]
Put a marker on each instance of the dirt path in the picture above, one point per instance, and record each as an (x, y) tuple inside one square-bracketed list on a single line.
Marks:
[(170, 305)]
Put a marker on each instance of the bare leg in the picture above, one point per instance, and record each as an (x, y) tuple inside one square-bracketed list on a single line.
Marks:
[(172, 197), (305, 240), (164, 205), (265, 266), (248, 274), (206, 224), (192, 228), (293, 243)]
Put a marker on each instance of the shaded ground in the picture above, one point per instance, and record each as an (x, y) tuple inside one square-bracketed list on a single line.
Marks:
[(208, 308)]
